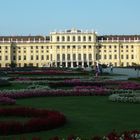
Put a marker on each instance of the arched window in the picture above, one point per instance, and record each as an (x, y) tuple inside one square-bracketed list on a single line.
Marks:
[(58, 57), (63, 57), (84, 38), (79, 38), (73, 38), (58, 39), (68, 38), (89, 38), (63, 38)]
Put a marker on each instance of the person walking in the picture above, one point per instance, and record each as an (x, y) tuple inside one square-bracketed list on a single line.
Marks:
[(111, 68), (96, 70)]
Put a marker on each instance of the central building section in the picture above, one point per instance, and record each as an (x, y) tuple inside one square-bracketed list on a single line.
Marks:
[(73, 48)]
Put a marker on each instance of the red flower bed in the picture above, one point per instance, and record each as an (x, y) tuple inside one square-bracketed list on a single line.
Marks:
[(38, 120), (130, 85), (7, 101)]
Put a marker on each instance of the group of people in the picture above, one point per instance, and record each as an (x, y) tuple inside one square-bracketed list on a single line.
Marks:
[(98, 69)]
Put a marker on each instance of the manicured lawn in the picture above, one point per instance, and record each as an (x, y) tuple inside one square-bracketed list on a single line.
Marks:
[(86, 116)]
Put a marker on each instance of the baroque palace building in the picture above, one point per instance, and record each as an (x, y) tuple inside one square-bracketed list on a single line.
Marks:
[(70, 48)]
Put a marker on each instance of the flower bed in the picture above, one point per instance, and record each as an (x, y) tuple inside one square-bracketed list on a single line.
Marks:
[(7, 101), (127, 97), (38, 120), (129, 85)]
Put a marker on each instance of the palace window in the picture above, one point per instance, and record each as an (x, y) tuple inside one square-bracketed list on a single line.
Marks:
[(68, 57), (63, 57), (89, 46), (85, 57), (79, 56), (104, 56), (79, 47), (58, 39), (84, 38), (6, 57), (63, 47), (31, 47), (74, 56), (132, 56), (42, 47), (58, 47), (14, 57), (0, 58), (32, 57), (127, 57), (47, 57), (79, 38), (121, 56), (89, 38), (84, 47), (36, 47), (58, 57), (132, 46), (73, 38), (90, 56), (115, 56), (24, 57), (68, 38), (63, 38), (42, 57), (37, 57), (110, 56), (19, 57), (73, 47), (99, 56)]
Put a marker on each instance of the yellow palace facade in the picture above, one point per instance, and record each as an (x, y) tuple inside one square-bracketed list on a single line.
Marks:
[(69, 48)]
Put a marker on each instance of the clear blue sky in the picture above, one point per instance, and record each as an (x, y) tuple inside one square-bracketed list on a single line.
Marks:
[(39, 17)]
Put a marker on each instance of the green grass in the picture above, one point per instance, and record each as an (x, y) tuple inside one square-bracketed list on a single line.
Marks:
[(86, 116), (14, 86)]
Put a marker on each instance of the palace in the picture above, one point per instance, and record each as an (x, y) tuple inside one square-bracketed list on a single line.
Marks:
[(69, 48)]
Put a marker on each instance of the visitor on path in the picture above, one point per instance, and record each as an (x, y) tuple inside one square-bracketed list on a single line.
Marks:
[(111, 68), (96, 69)]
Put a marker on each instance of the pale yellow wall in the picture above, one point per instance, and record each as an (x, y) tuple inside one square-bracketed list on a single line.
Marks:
[(128, 49), (50, 50)]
